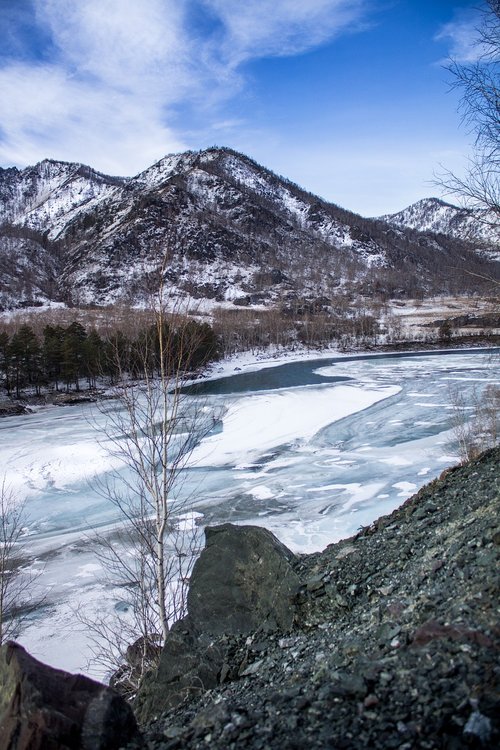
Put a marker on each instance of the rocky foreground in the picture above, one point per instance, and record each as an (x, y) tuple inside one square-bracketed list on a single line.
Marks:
[(389, 639), (394, 641)]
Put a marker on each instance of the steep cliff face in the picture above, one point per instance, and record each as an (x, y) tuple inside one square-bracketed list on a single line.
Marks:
[(219, 227)]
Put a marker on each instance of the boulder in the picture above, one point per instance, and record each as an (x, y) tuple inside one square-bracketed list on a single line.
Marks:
[(42, 707), (243, 580)]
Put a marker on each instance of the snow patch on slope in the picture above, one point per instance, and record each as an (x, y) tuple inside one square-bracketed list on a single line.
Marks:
[(434, 215), (49, 195)]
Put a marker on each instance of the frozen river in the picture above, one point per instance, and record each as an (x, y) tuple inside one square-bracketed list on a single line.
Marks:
[(312, 450)]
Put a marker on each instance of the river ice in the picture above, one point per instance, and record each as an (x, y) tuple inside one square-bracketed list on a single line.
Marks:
[(310, 457)]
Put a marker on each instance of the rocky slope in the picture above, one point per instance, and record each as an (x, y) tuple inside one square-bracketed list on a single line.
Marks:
[(217, 226), (48, 196), (394, 642)]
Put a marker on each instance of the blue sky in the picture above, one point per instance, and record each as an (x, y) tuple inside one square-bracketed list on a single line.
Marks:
[(348, 98)]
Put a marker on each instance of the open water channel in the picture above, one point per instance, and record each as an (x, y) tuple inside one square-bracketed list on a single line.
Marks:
[(312, 450)]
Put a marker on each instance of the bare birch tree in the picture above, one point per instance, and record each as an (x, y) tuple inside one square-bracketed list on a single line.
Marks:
[(152, 429)]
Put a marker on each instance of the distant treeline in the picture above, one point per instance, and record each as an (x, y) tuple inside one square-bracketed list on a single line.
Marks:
[(71, 357)]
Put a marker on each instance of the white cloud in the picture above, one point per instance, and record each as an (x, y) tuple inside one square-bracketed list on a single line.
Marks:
[(264, 28), (51, 114), (462, 37), (116, 67), (107, 88), (124, 44)]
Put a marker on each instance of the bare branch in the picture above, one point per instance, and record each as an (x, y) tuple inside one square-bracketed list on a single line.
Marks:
[(17, 576), (152, 428), (479, 84)]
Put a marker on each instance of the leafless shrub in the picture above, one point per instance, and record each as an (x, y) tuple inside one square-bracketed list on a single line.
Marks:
[(152, 429), (476, 421), (17, 577)]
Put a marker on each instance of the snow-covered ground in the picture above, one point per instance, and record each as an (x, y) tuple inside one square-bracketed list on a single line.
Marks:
[(311, 449), (415, 316)]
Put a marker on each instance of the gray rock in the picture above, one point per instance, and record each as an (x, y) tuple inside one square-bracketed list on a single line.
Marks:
[(243, 581), (189, 664), (479, 727)]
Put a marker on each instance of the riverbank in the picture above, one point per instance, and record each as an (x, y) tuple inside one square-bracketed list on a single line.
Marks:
[(308, 489), (247, 361), (274, 357)]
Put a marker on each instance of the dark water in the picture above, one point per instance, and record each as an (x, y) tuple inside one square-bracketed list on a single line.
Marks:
[(295, 374)]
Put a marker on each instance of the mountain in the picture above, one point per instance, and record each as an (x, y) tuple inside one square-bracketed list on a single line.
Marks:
[(217, 226), (434, 215), (51, 194)]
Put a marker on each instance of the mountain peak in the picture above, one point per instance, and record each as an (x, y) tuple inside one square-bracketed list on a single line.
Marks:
[(438, 216)]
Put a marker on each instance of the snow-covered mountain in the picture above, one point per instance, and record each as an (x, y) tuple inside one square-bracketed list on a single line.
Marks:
[(434, 215), (51, 194), (217, 225)]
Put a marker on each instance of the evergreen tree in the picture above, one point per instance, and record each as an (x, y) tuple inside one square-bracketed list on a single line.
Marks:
[(52, 353), (93, 350), (25, 357), (196, 344), (5, 359), (73, 354), (117, 356)]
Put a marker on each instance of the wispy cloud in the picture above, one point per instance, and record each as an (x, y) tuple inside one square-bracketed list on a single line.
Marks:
[(277, 28), (124, 44), (115, 68), (111, 74), (51, 113), (461, 35)]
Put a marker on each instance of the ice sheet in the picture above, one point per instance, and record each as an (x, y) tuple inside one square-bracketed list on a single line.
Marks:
[(312, 464), (262, 422)]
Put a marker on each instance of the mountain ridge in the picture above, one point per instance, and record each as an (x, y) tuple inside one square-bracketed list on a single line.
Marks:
[(233, 231)]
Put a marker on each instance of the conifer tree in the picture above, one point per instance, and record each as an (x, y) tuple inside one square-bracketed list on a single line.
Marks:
[(93, 350), (53, 337), (4, 359), (25, 357), (73, 354)]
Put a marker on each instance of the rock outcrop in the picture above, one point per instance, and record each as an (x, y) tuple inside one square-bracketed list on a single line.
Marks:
[(42, 708), (395, 640), (389, 639), (243, 581)]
